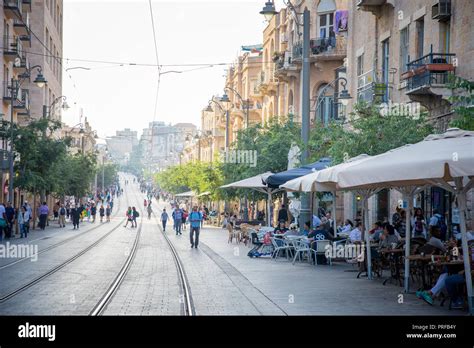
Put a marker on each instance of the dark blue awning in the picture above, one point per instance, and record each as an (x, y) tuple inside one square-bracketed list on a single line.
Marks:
[(275, 180)]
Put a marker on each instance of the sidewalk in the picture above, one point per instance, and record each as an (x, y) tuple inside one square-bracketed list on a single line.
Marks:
[(304, 289)]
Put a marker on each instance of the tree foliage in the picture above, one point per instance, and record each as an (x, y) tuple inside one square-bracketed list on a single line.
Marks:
[(464, 104)]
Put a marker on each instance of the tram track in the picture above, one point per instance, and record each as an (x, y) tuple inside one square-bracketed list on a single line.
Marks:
[(36, 280)]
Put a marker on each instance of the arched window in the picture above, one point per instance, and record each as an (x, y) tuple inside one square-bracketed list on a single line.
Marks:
[(326, 9), (324, 112)]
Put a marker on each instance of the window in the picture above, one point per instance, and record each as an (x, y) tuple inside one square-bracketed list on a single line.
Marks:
[(325, 105), (6, 30), (445, 37), (326, 25), (420, 37), (385, 67), (51, 52), (404, 48), (360, 65)]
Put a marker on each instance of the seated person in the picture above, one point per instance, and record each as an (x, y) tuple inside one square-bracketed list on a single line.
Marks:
[(348, 226), (428, 295), (356, 234), (376, 231), (281, 228), (435, 239), (388, 238)]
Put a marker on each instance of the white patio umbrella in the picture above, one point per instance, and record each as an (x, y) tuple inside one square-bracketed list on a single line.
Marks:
[(445, 160), (256, 183), (326, 181)]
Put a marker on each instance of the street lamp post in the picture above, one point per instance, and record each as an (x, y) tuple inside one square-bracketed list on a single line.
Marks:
[(225, 98), (47, 109), (40, 82), (343, 97), (227, 120), (269, 11)]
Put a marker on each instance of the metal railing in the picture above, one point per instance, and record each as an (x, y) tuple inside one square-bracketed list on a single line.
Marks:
[(321, 46), (420, 75)]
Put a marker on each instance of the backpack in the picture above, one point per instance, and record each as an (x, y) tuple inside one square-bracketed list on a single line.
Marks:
[(62, 211), (136, 213)]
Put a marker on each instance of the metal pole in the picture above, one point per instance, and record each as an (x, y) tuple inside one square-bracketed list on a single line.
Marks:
[(10, 182), (246, 208), (227, 121), (305, 110)]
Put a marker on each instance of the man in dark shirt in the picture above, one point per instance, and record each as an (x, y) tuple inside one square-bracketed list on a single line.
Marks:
[(10, 214), (283, 214)]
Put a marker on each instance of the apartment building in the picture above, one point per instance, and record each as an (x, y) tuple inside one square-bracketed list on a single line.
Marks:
[(46, 23), (282, 60), (14, 69), (162, 144), (404, 52)]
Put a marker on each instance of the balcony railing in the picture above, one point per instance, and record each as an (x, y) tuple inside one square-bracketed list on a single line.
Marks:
[(434, 69), (24, 102), (7, 93), (369, 89), (13, 8), (329, 46), (22, 25)]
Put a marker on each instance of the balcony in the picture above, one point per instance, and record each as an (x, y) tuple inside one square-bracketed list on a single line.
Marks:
[(26, 5), (12, 48), (23, 105), (430, 75), (284, 66), (22, 26), (373, 6), (12, 8), (22, 66), (7, 94), (369, 90), (322, 49)]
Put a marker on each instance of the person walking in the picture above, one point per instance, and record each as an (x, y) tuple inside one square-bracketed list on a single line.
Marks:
[(184, 219), (3, 221), (10, 213), (177, 217), (108, 211), (129, 215), (195, 219), (135, 214), (164, 219), (93, 212), (75, 216), (43, 215), (149, 211), (24, 221), (62, 216), (101, 212)]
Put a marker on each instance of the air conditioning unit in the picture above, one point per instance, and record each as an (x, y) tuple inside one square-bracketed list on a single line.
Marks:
[(441, 10)]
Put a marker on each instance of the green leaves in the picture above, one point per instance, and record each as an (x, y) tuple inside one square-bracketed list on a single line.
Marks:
[(464, 104)]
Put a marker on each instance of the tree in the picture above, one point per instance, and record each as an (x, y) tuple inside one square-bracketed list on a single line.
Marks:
[(464, 104), (110, 174), (369, 132)]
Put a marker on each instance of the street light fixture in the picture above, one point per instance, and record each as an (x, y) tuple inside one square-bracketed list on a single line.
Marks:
[(343, 97), (245, 102), (47, 109), (268, 10)]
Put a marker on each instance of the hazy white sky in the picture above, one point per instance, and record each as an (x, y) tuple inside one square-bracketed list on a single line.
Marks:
[(114, 97)]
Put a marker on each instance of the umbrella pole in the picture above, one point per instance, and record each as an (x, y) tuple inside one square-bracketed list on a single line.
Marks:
[(269, 202), (367, 237), (334, 212), (408, 195), (465, 248)]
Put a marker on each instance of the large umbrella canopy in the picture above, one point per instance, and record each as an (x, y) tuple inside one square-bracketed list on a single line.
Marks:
[(324, 180), (256, 183), (186, 194), (445, 160), (281, 178), (437, 157)]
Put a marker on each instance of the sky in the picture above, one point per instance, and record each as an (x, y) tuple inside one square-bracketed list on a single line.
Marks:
[(114, 97)]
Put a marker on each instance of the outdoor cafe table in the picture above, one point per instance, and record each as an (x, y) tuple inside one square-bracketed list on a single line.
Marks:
[(422, 261)]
